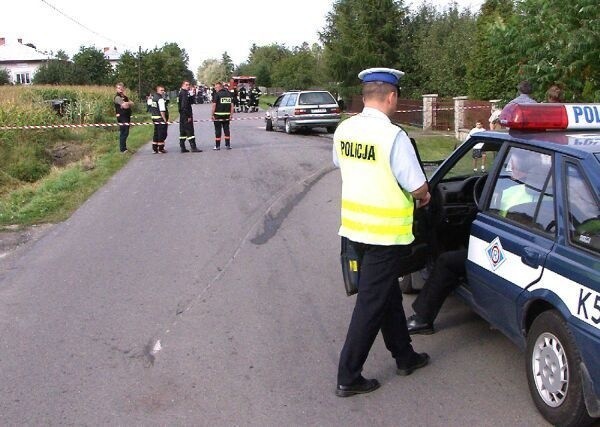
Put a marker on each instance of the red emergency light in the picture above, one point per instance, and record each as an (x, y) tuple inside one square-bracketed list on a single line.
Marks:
[(551, 116)]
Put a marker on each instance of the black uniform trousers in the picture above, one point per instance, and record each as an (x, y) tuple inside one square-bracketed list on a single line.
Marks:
[(123, 132), (186, 130), (160, 130), (378, 307), (443, 279), (222, 124)]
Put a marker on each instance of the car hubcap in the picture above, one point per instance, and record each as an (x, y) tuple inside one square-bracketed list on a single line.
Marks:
[(550, 369)]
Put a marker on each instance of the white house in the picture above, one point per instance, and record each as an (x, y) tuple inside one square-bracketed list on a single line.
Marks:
[(21, 61), (113, 56)]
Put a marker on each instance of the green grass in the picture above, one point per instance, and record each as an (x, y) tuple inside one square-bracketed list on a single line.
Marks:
[(55, 197), (265, 100)]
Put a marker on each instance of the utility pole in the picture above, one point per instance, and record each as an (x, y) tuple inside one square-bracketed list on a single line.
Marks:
[(140, 72)]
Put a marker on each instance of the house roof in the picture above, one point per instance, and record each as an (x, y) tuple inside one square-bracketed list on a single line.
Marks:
[(16, 52), (112, 54)]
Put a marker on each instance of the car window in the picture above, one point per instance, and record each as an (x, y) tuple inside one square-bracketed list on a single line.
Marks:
[(523, 191), (291, 101), (476, 161), (316, 98), (278, 102), (583, 211)]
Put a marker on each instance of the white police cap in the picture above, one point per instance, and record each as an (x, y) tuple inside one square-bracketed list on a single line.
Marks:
[(386, 75)]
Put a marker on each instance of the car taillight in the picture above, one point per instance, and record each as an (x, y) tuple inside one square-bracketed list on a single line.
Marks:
[(335, 110), (299, 111)]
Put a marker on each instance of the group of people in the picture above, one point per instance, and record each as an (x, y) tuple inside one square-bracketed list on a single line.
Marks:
[(158, 107), (246, 98)]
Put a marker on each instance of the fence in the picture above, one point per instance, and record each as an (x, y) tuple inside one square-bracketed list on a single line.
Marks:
[(457, 115)]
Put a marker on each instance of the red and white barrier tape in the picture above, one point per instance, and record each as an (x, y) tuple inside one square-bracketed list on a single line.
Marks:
[(104, 125)]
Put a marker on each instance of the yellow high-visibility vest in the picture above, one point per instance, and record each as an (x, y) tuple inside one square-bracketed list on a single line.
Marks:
[(375, 209)]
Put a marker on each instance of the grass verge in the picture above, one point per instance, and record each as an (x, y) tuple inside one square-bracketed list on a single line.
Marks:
[(55, 197)]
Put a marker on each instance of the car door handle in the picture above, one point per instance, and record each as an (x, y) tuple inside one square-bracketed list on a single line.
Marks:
[(531, 257)]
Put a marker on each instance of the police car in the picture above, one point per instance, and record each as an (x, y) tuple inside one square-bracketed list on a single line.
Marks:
[(531, 223)]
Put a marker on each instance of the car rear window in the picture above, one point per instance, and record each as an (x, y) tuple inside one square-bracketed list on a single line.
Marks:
[(316, 98)]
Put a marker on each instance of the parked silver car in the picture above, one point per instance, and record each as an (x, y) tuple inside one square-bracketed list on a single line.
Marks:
[(305, 109)]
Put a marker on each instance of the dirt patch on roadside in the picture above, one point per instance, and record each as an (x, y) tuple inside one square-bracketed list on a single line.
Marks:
[(67, 152), (12, 238)]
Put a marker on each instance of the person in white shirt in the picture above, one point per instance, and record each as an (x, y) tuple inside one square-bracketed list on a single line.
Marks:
[(477, 149)]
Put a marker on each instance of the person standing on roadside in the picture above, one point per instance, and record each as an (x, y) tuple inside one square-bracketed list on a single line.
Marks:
[(160, 118), (186, 119), (123, 112), (381, 176), (221, 113)]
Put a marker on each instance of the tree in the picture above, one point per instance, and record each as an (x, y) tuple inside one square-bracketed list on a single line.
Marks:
[(443, 50), (4, 77), (211, 71), (55, 71), (491, 65), (262, 61), (297, 71), (91, 67), (559, 41), (361, 34), (165, 66), (227, 66)]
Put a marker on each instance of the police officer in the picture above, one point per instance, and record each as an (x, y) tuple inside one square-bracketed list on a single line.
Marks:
[(381, 177), (222, 110), (160, 117), (123, 112), (186, 119)]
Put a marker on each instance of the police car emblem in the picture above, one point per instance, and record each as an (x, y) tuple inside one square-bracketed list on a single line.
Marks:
[(495, 253)]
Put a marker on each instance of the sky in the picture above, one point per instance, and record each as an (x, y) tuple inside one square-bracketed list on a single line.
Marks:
[(205, 29)]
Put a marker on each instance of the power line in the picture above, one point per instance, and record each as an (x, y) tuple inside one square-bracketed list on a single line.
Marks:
[(80, 24)]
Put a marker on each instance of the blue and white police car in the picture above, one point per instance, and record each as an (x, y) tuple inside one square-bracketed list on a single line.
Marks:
[(531, 223)]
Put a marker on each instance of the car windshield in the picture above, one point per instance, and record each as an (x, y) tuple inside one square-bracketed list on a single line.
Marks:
[(315, 98)]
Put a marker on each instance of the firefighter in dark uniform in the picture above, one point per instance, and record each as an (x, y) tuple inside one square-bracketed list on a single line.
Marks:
[(186, 119), (123, 112), (222, 110), (160, 117), (243, 96), (255, 94)]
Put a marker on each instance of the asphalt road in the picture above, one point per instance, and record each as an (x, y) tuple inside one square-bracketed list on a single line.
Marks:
[(205, 289)]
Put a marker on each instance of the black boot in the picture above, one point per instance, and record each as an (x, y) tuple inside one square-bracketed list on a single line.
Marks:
[(193, 147), (155, 148), (182, 146)]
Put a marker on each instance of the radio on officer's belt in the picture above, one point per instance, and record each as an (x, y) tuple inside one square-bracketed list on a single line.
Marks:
[(350, 267)]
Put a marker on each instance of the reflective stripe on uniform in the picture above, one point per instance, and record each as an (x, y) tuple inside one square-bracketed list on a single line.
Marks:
[(376, 210), (380, 229)]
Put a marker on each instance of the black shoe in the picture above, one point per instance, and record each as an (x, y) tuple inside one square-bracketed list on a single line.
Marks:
[(416, 325), (185, 150), (416, 361), (360, 386), (195, 150), (216, 148), (228, 147)]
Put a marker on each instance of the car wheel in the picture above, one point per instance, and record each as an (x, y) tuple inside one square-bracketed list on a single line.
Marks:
[(405, 283), (331, 129), (553, 373), (269, 125), (288, 127)]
